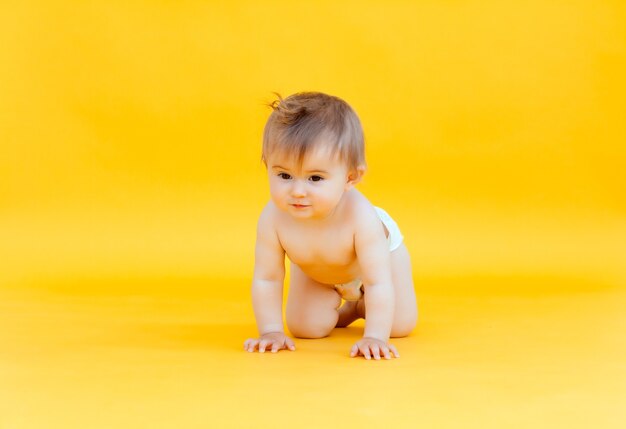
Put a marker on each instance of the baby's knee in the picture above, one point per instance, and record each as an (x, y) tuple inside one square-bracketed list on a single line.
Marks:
[(312, 326), (309, 332), (402, 328)]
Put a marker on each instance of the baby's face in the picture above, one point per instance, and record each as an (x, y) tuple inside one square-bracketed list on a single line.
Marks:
[(311, 190)]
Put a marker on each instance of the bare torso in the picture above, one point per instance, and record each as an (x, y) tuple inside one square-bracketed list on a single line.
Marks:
[(323, 250)]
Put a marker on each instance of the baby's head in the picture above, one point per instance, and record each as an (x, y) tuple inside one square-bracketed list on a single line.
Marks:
[(303, 121)]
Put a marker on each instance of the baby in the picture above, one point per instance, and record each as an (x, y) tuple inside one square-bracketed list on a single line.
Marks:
[(339, 244)]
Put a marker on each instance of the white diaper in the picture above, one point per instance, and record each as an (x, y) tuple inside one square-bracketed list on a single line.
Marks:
[(395, 236)]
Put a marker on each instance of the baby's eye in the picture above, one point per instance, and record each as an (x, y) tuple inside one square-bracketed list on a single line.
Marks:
[(316, 178), (284, 176)]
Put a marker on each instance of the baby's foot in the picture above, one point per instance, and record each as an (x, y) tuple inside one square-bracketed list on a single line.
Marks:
[(349, 312)]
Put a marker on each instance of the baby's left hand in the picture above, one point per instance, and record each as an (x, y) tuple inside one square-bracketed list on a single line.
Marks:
[(369, 347)]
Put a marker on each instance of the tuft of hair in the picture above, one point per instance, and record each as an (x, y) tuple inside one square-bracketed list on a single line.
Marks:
[(303, 120)]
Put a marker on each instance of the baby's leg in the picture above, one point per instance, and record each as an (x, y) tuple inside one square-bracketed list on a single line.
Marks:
[(405, 314), (311, 306)]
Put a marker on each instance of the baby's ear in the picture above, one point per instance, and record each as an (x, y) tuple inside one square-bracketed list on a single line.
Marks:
[(355, 176)]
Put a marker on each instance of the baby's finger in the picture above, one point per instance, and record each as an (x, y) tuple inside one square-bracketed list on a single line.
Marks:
[(365, 351), (394, 350), (354, 351), (385, 351), (290, 344), (375, 351), (262, 346), (276, 346), (251, 345)]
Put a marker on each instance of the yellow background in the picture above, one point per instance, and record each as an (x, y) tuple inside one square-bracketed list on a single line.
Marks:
[(130, 184)]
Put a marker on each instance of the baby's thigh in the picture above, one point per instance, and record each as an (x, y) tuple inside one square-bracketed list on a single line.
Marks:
[(405, 314), (311, 306)]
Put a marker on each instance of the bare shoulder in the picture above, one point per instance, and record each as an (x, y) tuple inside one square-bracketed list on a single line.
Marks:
[(268, 213), (369, 240), (361, 212), (266, 225)]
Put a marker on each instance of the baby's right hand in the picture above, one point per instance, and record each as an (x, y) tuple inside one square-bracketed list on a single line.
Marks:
[(277, 341)]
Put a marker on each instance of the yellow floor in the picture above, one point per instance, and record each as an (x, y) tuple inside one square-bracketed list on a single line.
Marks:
[(131, 182), (78, 353)]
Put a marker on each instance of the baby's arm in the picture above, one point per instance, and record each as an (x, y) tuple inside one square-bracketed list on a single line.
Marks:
[(267, 288), (375, 262)]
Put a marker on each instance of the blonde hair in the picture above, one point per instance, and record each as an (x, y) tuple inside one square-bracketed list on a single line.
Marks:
[(298, 123)]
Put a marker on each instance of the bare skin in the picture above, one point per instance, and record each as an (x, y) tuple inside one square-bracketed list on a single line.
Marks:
[(332, 235)]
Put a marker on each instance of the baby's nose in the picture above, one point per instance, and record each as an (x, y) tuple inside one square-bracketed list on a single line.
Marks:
[(298, 189)]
